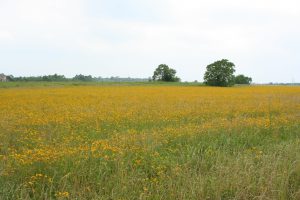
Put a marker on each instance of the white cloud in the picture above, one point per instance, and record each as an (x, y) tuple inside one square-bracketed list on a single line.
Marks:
[(6, 36)]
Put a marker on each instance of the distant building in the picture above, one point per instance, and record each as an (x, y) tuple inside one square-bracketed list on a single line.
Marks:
[(3, 78)]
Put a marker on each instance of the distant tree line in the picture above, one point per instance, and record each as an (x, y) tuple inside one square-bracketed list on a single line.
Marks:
[(79, 77), (219, 73), (53, 78)]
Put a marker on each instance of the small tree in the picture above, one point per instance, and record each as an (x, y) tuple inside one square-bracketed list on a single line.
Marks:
[(10, 78), (241, 79), (220, 73), (164, 73)]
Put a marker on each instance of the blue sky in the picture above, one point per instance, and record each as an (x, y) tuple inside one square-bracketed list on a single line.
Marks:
[(132, 37)]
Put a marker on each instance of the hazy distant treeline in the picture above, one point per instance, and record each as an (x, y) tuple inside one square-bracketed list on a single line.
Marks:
[(80, 77)]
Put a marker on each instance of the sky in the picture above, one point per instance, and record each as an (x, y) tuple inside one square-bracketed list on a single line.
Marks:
[(130, 38)]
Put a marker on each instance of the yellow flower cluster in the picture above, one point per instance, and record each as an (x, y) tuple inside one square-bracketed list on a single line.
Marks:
[(62, 195)]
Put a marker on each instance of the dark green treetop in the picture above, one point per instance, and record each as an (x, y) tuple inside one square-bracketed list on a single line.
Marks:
[(241, 79), (164, 73), (220, 73)]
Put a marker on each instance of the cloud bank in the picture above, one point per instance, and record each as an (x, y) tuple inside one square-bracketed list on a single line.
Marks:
[(130, 38)]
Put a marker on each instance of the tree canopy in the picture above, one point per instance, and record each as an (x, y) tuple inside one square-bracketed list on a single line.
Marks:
[(164, 73), (241, 79), (220, 73)]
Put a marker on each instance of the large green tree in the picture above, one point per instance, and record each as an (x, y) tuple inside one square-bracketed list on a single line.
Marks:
[(165, 73), (220, 73)]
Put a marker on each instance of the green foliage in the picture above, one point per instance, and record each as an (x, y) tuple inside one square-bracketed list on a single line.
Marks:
[(48, 78), (164, 73), (220, 73), (241, 79), (81, 77), (10, 78), (54, 77)]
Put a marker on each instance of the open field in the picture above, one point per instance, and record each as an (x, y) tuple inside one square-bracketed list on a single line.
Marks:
[(149, 142)]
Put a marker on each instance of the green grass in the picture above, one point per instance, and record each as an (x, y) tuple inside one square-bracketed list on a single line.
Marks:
[(237, 164)]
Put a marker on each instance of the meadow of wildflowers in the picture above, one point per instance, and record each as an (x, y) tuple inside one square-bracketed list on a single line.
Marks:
[(150, 142)]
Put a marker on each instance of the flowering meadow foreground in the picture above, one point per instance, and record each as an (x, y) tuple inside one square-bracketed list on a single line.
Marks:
[(150, 142)]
